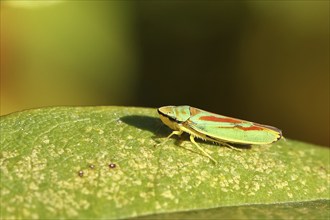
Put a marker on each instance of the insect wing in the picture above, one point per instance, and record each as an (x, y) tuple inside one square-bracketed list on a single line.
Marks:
[(232, 130)]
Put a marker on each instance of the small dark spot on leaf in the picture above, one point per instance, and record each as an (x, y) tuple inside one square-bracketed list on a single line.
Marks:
[(92, 166), (81, 173), (112, 165)]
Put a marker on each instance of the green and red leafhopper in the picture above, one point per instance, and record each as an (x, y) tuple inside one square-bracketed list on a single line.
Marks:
[(216, 128)]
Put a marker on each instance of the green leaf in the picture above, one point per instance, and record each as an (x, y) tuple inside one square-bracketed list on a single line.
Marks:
[(296, 210), (55, 163)]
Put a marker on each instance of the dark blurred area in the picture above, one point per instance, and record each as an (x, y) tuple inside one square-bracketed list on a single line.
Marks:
[(263, 61)]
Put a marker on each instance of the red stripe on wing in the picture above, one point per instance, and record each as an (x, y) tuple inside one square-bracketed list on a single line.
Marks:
[(251, 128), (218, 119)]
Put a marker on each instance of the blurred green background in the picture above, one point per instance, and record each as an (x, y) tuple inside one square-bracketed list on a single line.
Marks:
[(264, 61)]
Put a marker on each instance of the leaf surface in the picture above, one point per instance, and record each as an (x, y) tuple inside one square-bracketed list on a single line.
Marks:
[(55, 163)]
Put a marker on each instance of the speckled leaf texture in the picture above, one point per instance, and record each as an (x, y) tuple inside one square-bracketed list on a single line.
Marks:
[(103, 162)]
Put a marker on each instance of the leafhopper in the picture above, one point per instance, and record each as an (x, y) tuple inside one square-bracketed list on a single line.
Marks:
[(216, 128)]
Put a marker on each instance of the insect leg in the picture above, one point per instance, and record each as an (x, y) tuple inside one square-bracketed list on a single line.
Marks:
[(168, 137), (231, 147), (192, 139)]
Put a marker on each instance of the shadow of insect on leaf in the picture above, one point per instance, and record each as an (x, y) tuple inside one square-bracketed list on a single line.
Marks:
[(147, 123)]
